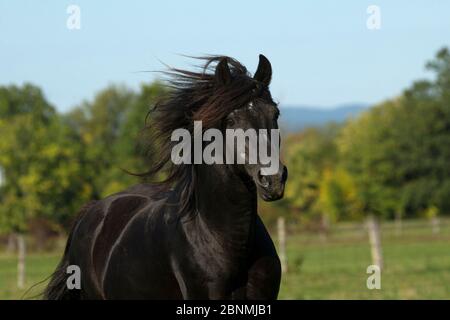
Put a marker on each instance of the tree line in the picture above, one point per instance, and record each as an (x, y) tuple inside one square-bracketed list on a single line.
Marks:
[(52, 163), (391, 161)]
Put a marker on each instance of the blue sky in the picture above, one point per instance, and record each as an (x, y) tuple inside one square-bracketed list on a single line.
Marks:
[(321, 51)]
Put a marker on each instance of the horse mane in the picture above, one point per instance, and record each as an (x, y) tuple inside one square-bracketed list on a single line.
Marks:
[(192, 96)]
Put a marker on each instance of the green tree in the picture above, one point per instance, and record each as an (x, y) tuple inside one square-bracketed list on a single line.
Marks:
[(309, 156), (25, 115), (398, 151), (112, 135), (41, 175), (338, 195)]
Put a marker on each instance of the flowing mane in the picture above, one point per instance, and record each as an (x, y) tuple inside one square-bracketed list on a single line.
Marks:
[(193, 96)]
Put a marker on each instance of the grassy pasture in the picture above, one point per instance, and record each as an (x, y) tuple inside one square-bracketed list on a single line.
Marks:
[(417, 265)]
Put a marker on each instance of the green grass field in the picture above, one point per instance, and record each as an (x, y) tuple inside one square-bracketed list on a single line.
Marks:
[(38, 267), (417, 266)]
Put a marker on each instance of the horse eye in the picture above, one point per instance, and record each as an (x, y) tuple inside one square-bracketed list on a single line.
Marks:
[(230, 122)]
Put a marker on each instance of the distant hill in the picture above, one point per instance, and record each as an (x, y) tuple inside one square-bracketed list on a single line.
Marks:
[(294, 118)]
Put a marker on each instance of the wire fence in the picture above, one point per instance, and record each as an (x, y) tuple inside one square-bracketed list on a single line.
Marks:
[(334, 264), (320, 265)]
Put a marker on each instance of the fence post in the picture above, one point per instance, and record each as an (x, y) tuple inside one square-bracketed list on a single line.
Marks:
[(324, 227), (282, 243), (398, 224), (435, 223), (375, 241), (21, 261)]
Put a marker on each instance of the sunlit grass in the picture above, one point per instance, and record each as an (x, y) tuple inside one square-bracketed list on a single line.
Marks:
[(38, 268), (417, 265)]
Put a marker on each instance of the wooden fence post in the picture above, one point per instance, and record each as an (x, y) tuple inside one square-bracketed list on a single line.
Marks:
[(435, 223), (398, 224), (282, 243), (375, 241), (21, 261)]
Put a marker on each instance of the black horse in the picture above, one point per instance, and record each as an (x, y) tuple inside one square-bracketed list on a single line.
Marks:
[(196, 234)]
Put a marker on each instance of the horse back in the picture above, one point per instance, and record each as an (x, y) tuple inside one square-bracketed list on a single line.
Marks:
[(99, 228)]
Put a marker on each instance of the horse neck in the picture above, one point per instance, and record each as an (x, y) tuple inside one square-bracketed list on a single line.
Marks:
[(226, 205)]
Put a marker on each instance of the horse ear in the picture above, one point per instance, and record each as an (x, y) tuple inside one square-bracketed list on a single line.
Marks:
[(264, 71), (223, 74)]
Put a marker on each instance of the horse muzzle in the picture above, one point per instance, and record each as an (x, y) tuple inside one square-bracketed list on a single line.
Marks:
[(271, 187)]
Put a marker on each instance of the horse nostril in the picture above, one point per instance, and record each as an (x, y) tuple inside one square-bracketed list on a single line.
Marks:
[(284, 175), (263, 180)]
